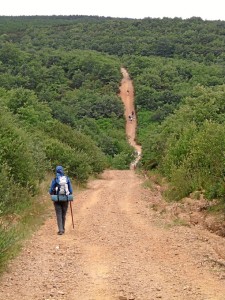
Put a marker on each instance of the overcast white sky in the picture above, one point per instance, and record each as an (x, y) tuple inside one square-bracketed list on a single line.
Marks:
[(206, 9)]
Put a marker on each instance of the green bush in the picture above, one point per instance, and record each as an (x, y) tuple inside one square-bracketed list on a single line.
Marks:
[(121, 161), (12, 193), (18, 151), (75, 162), (178, 147), (79, 143), (203, 166)]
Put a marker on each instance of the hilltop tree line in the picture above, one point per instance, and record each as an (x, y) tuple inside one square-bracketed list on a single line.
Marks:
[(193, 38)]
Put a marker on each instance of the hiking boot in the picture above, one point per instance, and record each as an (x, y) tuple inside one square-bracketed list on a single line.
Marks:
[(60, 232)]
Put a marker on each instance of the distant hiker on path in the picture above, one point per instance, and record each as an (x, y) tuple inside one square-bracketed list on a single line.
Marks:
[(62, 188), (130, 118)]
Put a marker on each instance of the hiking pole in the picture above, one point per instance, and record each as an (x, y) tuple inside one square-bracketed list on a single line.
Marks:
[(71, 210)]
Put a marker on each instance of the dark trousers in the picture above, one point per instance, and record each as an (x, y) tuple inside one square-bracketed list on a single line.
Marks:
[(61, 210)]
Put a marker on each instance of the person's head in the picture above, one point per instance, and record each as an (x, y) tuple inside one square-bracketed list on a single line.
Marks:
[(59, 170)]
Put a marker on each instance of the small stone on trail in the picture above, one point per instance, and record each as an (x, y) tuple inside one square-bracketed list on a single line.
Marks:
[(61, 293)]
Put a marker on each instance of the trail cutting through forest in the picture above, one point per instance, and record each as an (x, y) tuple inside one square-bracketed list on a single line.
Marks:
[(121, 248)]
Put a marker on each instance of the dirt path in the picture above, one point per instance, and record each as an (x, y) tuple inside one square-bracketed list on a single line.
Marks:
[(120, 249), (127, 96)]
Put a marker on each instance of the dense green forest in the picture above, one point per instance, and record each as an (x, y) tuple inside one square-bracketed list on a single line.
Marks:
[(59, 84)]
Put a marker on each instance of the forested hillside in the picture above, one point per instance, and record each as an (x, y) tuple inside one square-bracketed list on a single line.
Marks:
[(59, 83)]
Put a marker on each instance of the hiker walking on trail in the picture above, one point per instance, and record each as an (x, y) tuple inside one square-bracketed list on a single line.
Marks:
[(61, 187)]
